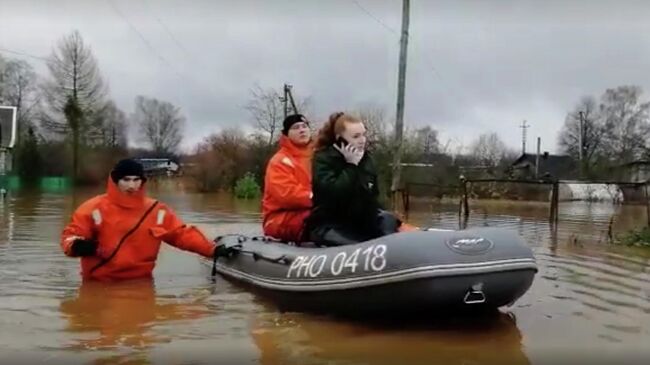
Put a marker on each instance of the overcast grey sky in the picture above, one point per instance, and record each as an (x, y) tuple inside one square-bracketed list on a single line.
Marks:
[(473, 66)]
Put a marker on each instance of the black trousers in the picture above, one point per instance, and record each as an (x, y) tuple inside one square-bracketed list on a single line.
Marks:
[(383, 224)]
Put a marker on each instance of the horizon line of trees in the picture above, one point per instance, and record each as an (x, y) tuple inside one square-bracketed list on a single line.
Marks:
[(68, 125), (611, 131)]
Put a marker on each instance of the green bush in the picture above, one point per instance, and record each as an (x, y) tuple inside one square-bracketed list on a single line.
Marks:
[(247, 187), (638, 238)]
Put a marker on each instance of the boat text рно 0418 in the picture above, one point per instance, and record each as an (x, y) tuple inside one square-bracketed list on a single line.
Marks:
[(370, 259)]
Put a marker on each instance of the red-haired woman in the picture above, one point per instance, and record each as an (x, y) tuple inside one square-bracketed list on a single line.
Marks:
[(345, 203)]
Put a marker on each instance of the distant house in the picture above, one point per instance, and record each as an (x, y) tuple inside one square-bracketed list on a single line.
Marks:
[(480, 172), (559, 167), (635, 171), (425, 169), (159, 166)]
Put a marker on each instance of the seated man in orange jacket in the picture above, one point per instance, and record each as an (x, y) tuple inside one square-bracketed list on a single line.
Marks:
[(118, 234), (287, 183)]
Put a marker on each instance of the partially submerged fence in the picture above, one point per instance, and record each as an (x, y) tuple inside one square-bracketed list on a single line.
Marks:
[(637, 191)]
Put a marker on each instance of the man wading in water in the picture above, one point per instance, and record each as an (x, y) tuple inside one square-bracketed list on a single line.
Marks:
[(118, 234)]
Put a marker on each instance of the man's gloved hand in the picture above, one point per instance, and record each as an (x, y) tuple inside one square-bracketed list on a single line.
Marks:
[(83, 247)]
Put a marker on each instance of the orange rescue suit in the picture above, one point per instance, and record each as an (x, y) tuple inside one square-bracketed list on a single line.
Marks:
[(287, 191), (107, 218)]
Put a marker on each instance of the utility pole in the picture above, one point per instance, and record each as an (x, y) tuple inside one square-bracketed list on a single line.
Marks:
[(293, 103), (284, 100), (401, 83), (523, 136), (288, 97), (539, 144)]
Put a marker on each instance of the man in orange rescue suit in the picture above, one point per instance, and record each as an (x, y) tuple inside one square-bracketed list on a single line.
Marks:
[(287, 183), (118, 234)]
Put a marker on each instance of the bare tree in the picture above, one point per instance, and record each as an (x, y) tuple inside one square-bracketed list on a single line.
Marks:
[(374, 119), (419, 144), (625, 120), (592, 134), (508, 157), (267, 110), (111, 127), (160, 124), (18, 88), (427, 140), (73, 93), (3, 68), (488, 149)]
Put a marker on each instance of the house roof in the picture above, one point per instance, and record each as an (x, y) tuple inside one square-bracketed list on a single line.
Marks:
[(556, 165), (634, 163)]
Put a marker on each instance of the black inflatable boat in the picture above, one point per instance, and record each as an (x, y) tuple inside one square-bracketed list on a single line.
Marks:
[(432, 270)]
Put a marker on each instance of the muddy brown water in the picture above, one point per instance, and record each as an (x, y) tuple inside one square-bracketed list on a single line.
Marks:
[(590, 301)]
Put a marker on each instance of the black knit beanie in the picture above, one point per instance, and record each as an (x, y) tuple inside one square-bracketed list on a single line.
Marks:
[(127, 167), (291, 120)]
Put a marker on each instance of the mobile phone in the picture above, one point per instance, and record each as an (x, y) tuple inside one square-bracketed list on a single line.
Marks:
[(342, 142)]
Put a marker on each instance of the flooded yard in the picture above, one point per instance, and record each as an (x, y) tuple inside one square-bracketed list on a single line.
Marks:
[(589, 302)]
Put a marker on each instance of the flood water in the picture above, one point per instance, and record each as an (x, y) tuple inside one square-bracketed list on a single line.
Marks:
[(590, 302)]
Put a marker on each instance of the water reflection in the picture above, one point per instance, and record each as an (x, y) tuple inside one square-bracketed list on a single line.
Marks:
[(588, 298), (123, 315), (293, 338), (7, 223)]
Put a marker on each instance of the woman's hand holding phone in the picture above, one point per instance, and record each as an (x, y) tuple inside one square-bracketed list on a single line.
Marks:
[(351, 154)]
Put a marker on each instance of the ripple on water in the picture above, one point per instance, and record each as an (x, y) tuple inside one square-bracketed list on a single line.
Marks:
[(587, 294)]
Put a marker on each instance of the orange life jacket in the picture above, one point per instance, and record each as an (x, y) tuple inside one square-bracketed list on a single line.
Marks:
[(287, 191), (108, 218)]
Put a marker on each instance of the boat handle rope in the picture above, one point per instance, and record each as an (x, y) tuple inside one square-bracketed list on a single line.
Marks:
[(283, 259), (240, 239), (280, 260), (266, 239)]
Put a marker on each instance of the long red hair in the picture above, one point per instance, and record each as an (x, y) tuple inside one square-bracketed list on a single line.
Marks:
[(334, 126)]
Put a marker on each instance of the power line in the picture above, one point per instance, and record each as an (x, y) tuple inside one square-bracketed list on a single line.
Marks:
[(153, 50), (144, 40), (179, 44), (168, 31), (392, 30), (424, 57), (2, 49), (427, 60)]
